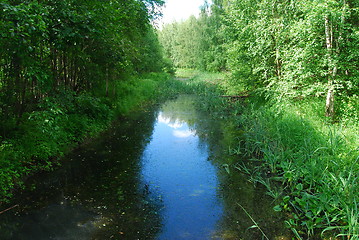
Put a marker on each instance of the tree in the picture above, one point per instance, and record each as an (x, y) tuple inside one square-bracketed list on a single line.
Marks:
[(196, 42), (77, 45), (290, 49)]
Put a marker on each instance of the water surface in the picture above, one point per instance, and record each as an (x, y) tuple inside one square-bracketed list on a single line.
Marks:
[(156, 175), (177, 170)]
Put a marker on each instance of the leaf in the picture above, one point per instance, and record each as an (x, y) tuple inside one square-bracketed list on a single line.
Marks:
[(286, 199), (253, 226), (277, 208), (226, 167)]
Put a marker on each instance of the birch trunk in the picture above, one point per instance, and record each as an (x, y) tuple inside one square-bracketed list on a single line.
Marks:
[(329, 105)]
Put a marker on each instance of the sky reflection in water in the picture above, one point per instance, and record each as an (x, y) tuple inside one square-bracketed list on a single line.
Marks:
[(177, 172)]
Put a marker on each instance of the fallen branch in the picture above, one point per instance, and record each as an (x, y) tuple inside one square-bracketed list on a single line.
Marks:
[(9, 209)]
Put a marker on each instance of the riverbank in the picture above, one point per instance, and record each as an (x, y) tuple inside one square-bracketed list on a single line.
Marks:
[(64, 120), (308, 164)]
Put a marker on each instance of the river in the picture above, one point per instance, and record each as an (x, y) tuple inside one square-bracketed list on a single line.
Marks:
[(159, 174)]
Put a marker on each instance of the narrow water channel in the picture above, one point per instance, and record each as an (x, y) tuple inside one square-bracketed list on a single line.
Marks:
[(176, 168), (156, 175)]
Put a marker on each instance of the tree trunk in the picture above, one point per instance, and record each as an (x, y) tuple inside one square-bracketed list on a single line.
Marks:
[(329, 106)]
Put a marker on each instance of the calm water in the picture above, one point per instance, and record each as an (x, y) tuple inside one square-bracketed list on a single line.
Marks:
[(177, 171), (156, 175)]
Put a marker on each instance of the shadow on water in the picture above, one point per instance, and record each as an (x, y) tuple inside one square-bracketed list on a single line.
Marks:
[(156, 175), (97, 194)]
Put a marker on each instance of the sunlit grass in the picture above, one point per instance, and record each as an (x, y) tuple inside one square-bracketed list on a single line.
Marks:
[(308, 163), (317, 162), (187, 73), (199, 76)]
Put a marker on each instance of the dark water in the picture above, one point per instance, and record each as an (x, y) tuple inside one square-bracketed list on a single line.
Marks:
[(156, 175)]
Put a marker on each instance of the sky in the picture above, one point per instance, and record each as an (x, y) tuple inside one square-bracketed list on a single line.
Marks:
[(176, 10)]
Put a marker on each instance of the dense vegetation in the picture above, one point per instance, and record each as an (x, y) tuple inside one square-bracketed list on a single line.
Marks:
[(292, 90), (284, 50), (66, 69), (294, 64)]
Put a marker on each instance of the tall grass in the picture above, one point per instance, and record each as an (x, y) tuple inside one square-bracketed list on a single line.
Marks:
[(308, 164), (316, 163)]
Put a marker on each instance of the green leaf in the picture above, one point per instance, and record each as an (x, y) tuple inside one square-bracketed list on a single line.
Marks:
[(277, 208), (299, 186)]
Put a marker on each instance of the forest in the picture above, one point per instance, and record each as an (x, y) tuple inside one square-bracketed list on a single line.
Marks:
[(285, 71), (64, 65)]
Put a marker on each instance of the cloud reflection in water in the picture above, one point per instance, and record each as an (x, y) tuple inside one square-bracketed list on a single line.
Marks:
[(176, 124), (183, 133), (168, 121)]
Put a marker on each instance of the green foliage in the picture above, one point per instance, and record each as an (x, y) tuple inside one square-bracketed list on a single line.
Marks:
[(65, 119), (48, 45), (280, 50), (196, 42), (63, 65), (290, 49), (315, 164), (348, 109), (309, 166), (142, 90)]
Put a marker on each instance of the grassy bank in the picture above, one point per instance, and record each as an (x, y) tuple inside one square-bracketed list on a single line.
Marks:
[(61, 121), (308, 164)]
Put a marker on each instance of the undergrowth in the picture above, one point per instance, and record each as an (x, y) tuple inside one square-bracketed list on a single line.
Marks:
[(37, 141)]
